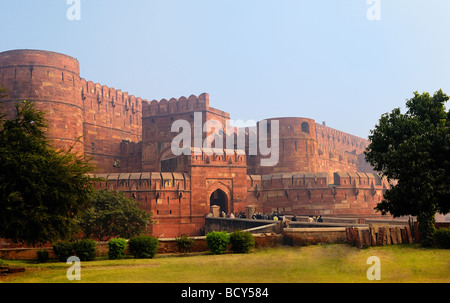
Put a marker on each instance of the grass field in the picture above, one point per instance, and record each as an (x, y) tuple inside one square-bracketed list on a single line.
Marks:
[(309, 264)]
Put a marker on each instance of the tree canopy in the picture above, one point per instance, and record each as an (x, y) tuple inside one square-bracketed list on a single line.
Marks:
[(42, 190), (113, 215), (414, 150)]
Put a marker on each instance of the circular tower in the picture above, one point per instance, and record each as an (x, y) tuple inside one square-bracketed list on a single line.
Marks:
[(297, 143), (52, 81)]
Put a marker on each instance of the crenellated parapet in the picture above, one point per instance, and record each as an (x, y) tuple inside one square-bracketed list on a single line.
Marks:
[(176, 106), (351, 193), (315, 180), (146, 181), (112, 127), (216, 156), (338, 140), (110, 99)]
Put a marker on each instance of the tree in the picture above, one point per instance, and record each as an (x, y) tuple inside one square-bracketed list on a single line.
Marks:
[(413, 149), (42, 189), (113, 215)]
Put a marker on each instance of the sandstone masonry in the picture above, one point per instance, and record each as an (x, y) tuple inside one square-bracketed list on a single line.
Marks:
[(321, 171)]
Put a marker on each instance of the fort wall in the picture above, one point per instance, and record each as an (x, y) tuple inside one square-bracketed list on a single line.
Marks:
[(157, 120), (321, 171), (111, 127), (52, 81), (100, 122), (350, 194)]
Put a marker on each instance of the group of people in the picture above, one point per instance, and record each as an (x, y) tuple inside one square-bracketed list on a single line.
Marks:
[(273, 216), (312, 219), (240, 215)]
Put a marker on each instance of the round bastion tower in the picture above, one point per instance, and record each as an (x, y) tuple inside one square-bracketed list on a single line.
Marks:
[(297, 146), (52, 81)]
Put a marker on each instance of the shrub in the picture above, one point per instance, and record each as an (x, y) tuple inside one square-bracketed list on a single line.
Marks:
[(42, 256), (116, 248), (2, 263), (442, 237), (241, 242), (85, 249), (63, 250), (217, 241), (184, 244), (143, 247)]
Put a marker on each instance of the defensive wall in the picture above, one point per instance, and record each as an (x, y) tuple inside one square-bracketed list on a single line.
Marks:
[(321, 171), (178, 206), (98, 121)]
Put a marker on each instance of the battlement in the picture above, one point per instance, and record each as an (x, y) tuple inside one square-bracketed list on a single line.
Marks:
[(327, 136), (331, 153), (104, 95), (216, 156), (150, 181), (173, 106), (315, 180)]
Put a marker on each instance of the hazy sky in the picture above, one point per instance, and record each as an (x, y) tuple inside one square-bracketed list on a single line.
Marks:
[(321, 59)]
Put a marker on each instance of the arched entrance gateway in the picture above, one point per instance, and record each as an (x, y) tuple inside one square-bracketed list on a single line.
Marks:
[(220, 199)]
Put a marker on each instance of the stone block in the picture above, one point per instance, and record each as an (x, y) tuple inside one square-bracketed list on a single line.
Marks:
[(393, 234), (388, 235), (366, 237), (404, 235), (408, 234), (373, 236), (384, 241), (399, 235), (380, 236)]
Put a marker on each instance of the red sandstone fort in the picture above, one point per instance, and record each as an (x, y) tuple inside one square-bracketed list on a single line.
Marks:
[(321, 171)]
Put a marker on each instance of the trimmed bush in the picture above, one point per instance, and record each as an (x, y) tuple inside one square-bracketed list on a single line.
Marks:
[(43, 256), (85, 249), (63, 250), (218, 242), (241, 242), (184, 244), (116, 248), (143, 247), (442, 237)]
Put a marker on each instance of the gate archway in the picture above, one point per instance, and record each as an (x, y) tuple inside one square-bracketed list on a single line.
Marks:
[(219, 198)]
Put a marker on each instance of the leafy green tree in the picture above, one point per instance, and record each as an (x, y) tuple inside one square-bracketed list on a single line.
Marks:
[(42, 189), (113, 215), (413, 151)]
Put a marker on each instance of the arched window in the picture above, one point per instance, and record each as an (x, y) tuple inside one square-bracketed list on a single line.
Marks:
[(305, 127)]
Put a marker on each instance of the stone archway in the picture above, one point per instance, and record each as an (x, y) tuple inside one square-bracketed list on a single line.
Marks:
[(220, 199), (219, 194)]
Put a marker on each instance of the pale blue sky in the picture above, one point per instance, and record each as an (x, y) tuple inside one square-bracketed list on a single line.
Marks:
[(321, 59)]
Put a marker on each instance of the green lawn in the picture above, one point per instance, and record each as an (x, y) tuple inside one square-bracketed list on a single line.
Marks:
[(318, 263)]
